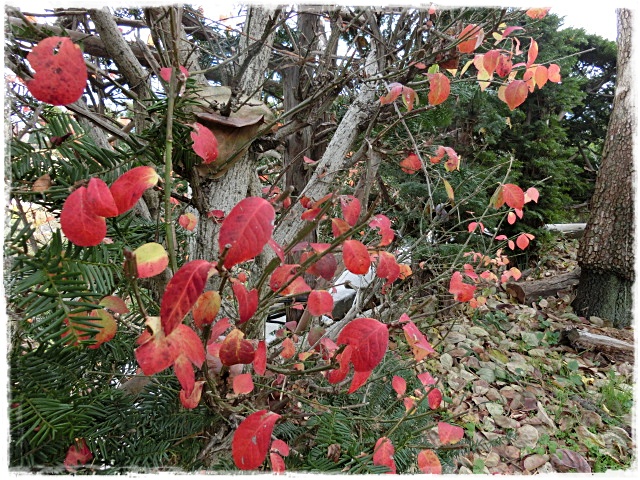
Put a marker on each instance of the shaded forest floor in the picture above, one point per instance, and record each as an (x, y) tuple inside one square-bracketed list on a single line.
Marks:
[(550, 407)]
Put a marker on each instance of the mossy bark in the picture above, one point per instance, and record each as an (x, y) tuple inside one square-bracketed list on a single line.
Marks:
[(605, 295)]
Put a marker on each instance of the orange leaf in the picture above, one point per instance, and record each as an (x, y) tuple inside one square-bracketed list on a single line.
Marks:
[(417, 341), (523, 240), (541, 76), (60, 72), (439, 88), (554, 73), (411, 164), (490, 61), (538, 13), (532, 54), (428, 462), (470, 38), (395, 89), (461, 291), (504, 65), (192, 401), (188, 221), (206, 309), (339, 227), (516, 93), (288, 348)]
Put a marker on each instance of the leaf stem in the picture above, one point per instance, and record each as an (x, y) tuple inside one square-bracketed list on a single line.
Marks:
[(168, 168)]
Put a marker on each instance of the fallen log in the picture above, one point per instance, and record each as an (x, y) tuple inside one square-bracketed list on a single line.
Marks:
[(528, 292), (569, 230), (580, 339)]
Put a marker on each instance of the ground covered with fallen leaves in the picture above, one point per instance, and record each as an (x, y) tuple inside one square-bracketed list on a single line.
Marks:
[(547, 406)]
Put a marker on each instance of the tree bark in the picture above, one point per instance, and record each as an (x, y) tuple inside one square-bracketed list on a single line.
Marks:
[(606, 251)]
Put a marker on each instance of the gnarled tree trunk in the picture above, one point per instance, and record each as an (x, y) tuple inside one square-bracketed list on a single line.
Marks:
[(606, 250)]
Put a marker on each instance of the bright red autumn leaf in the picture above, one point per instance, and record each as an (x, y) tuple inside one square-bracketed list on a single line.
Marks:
[(151, 259), (205, 143), (216, 215), (311, 214), (417, 341), (78, 222), (343, 359), (320, 303), (165, 73), (277, 463), (100, 200), (260, 358), (368, 339), (60, 72), (277, 249), (505, 64), (236, 350), (252, 438), (130, 186), (411, 164), (531, 195), (284, 274), (554, 73), (358, 380), (206, 309), (193, 400), (78, 454), (247, 301), (356, 257), (218, 329), (288, 348), (537, 13), (523, 240), (188, 221), (387, 267), (428, 462), (470, 38), (339, 227), (182, 292), (242, 384), (350, 209), (516, 93), (532, 54), (462, 292), (325, 267), (246, 229), (439, 88), (383, 225), (449, 434), (383, 454), (513, 195), (399, 384), (434, 398), (280, 446)]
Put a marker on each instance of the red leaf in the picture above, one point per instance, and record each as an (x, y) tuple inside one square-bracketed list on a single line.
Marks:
[(350, 209), (532, 54), (554, 73), (277, 249), (60, 72), (449, 434), (281, 447), (78, 222), (439, 88), (434, 398), (206, 309), (516, 93), (531, 194), (356, 257), (504, 65), (218, 329), (409, 96), (409, 403), (320, 303), (182, 292), (383, 454), (387, 267), (251, 440), (417, 341), (277, 463), (490, 61), (130, 186), (192, 401), (395, 89), (205, 143), (453, 161), (235, 350), (78, 454), (428, 462), (100, 200), (311, 214), (338, 375), (369, 340), (242, 384), (247, 229), (471, 37), (523, 240), (188, 221), (165, 73), (325, 267), (399, 384), (513, 195), (383, 224), (247, 301), (339, 227), (185, 374), (282, 275), (462, 292), (411, 164), (151, 260), (260, 358), (426, 379)]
